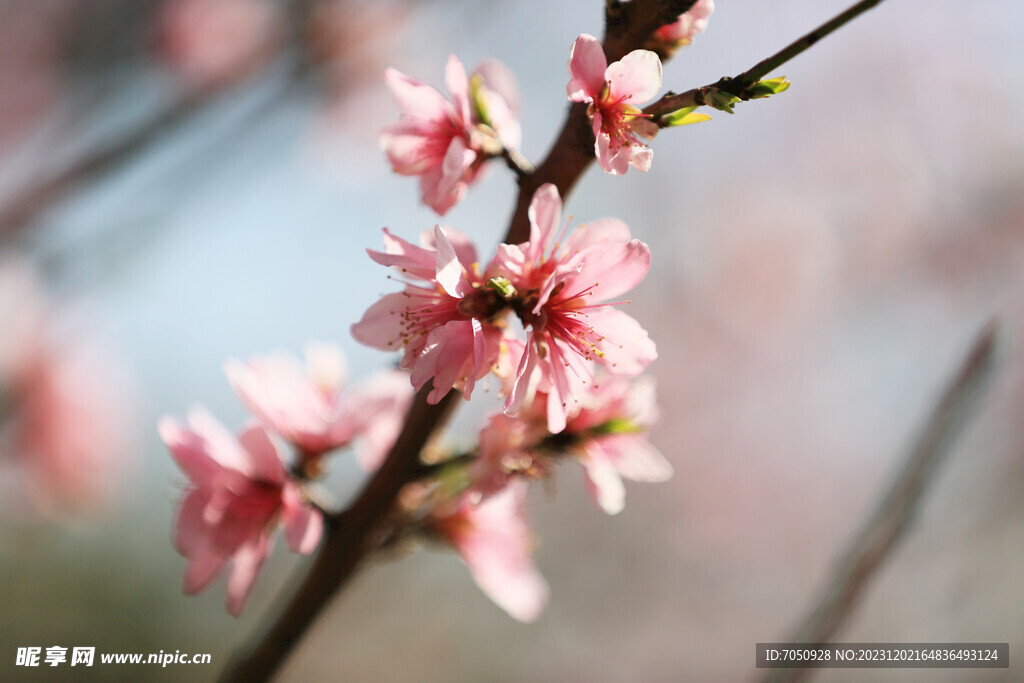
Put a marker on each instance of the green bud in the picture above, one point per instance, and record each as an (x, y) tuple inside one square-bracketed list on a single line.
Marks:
[(684, 117), (721, 100), (771, 86)]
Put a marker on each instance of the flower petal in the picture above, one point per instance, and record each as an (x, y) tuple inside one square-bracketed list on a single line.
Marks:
[(246, 565), (605, 271), (603, 482), (416, 98), (635, 458), (587, 64), (602, 231), (636, 77), (545, 212)]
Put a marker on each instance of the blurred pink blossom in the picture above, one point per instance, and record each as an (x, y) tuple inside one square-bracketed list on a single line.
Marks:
[(218, 42), (64, 429), (681, 32), (612, 92), (446, 143), (443, 325), (240, 492), (306, 403), (494, 541), (561, 295)]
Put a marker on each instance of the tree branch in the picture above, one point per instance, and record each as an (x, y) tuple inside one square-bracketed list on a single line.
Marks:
[(896, 511), (740, 85)]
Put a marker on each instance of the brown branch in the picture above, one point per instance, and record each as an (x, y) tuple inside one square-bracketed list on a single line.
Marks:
[(740, 85), (346, 539), (896, 511)]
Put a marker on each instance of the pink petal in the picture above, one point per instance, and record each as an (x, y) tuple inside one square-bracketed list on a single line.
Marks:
[(408, 257), (635, 458), (199, 572), (614, 161), (382, 325), (458, 86), (416, 98), (246, 565), (501, 97), (602, 231), (221, 444), (303, 524), (524, 375), (459, 240), (450, 274), (545, 212), (587, 64), (264, 461), (637, 76), (606, 271), (603, 482), (191, 533), (626, 347), (190, 452), (497, 552), (641, 157)]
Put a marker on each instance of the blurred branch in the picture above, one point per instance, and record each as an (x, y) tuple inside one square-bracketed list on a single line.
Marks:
[(740, 85), (898, 508)]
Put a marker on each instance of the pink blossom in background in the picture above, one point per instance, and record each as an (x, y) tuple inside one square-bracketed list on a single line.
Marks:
[(307, 405), (613, 92), (239, 493), (218, 42), (446, 143), (443, 325), (682, 31), (494, 541), (563, 290), (65, 429)]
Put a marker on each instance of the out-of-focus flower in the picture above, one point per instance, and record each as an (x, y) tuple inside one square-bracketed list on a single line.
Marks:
[(446, 143), (64, 429), (239, 495), (445, 326), (612, 92), (611, 439), (560, 295), (307, 405), (606, 434), (213, 43), (681, 32), (494, 541)]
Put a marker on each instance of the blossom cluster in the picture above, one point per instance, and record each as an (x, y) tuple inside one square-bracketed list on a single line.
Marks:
[(240, 490), (542, 318)]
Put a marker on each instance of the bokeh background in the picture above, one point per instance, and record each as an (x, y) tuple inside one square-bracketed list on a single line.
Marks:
[(184, 181)]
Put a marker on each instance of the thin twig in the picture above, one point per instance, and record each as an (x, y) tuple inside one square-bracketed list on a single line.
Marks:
[(896, 511), (739, 85)]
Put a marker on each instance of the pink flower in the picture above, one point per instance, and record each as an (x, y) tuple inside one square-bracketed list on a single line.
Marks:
[(612, 91), (560, 300), (606, 434), (446, 143), (446, 325), (240, 492), (612, 428), (307, 405), (494, 541), (689, 24)]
